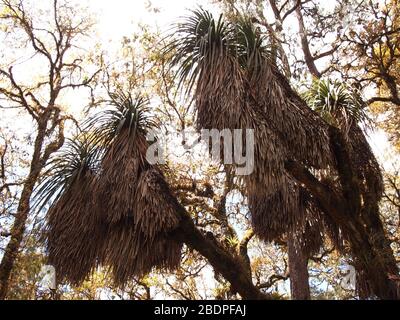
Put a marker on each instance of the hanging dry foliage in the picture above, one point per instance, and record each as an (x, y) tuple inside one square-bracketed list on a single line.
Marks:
[(130, 196), (236, 86), (74, 233), (110, 207), (73, 227)]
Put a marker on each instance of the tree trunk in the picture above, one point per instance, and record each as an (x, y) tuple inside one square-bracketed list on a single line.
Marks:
[(18, 228), (17, 233), (298, 263), (367, 258), (231, 266), (305, 45)]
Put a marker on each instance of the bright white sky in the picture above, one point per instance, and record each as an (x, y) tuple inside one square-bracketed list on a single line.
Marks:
[(117, 17)]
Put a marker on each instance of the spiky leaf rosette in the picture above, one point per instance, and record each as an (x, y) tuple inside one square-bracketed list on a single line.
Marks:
[(299, 133), (343, 108), (121, 131), (129, 194), (125, 113), (199, 36), (73, 231), (299, 129), (227, 68), (338, 104)]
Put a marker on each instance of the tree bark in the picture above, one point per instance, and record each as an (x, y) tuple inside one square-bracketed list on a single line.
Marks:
[(308, 57), (48, 116), (39, 160), (378, 271), (18, 229), (231, 266), (298, 270)]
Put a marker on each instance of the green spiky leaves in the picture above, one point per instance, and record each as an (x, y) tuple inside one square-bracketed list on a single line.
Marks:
[(82, 154), (337, 103), (200, 40), (78, 157), (252, 48), (124, 112), (237, 85), (199, 35)]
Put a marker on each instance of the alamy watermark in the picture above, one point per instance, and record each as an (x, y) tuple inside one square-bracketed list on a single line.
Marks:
[(47, 277), (349, 280), (236, 147)]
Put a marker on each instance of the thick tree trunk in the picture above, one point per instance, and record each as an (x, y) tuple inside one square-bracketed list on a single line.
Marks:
[(17, 233), (298, 270), (375, 257), (232, 267), (18, 228), (305, 45), (367, 255)]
